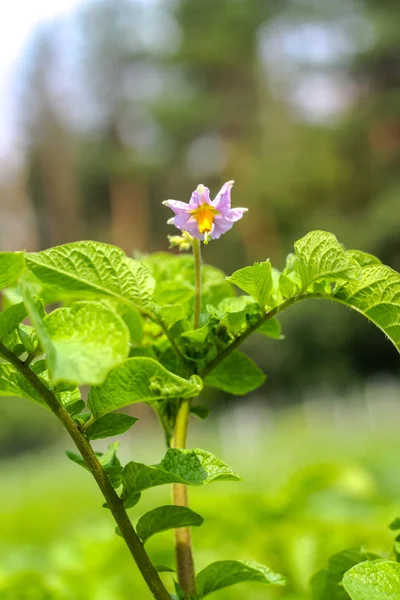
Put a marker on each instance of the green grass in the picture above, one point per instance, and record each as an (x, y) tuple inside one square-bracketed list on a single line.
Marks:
[(315, 481)]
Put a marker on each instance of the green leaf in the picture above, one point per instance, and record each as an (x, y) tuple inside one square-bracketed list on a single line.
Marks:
[(109, 425), (320, 256), (82, 342), (191, 467), (95, 269), (225, 573), (271, 328), (109, 461), (373, 581), (255, 280), (363, 258), (12, 383), (11, 317), (200, 410), (164, 569), (237, 375), (164, 518), (377, 297), (327, 582), (139, 379), (11, 266)]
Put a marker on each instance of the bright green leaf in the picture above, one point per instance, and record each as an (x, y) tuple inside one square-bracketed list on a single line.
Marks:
[(320, 256), (225, 573), (271, 328), (11, 266), (327, 582), (164, 518), (109, 425), (377, 297), (139, 379), (363, 258), (191, 467), (255, 281), (237, 375), (82, 342), (11, 317), (373, 581), (95, 269), (12, 383)]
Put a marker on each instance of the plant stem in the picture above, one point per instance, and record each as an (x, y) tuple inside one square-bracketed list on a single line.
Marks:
[(197, 293), (183, 542), (114, 503)]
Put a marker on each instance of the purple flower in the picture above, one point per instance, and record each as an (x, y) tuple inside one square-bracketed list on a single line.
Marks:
[(205, 219)]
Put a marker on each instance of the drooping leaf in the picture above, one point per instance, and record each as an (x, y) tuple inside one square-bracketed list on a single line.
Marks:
[(191, 467), (109, 425), (327, 582), (11, 317), (82, 342), (377, 297), (255, 280), (320, 257), (164, 518), (95, 269), (225, 573), (200, 410), (139, 379), (373, 581), (237, 375), (271, 328), (164, 569), (11, 266), (12, 383)]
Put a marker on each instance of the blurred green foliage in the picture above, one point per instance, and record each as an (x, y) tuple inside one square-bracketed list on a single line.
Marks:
[(312, 486)]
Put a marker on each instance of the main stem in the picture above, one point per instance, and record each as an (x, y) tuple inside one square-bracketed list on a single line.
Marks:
[(114, 503), (183, 541)]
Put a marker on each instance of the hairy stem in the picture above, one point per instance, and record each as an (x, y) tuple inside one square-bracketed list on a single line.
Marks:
[(183, 542), (197, 293), (114, 503)]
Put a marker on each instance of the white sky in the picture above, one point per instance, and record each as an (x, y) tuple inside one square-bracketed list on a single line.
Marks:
[(18, 19)]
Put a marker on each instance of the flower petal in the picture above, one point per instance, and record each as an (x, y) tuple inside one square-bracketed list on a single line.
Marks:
[(200, 196), (177, 206), (222, 200)]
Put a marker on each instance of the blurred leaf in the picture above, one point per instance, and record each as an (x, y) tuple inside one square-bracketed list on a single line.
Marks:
[(139, 380), (109, 425), (191, 467), (200, 410), (11, 266), (225, 573), (237, 375), (327, 582), (373, 581), (320, 256), (255, 281), (95, 269), (164, 518), (164, 569)]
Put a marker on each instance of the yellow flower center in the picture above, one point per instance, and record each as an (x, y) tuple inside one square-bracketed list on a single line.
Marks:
[(204, 216)]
